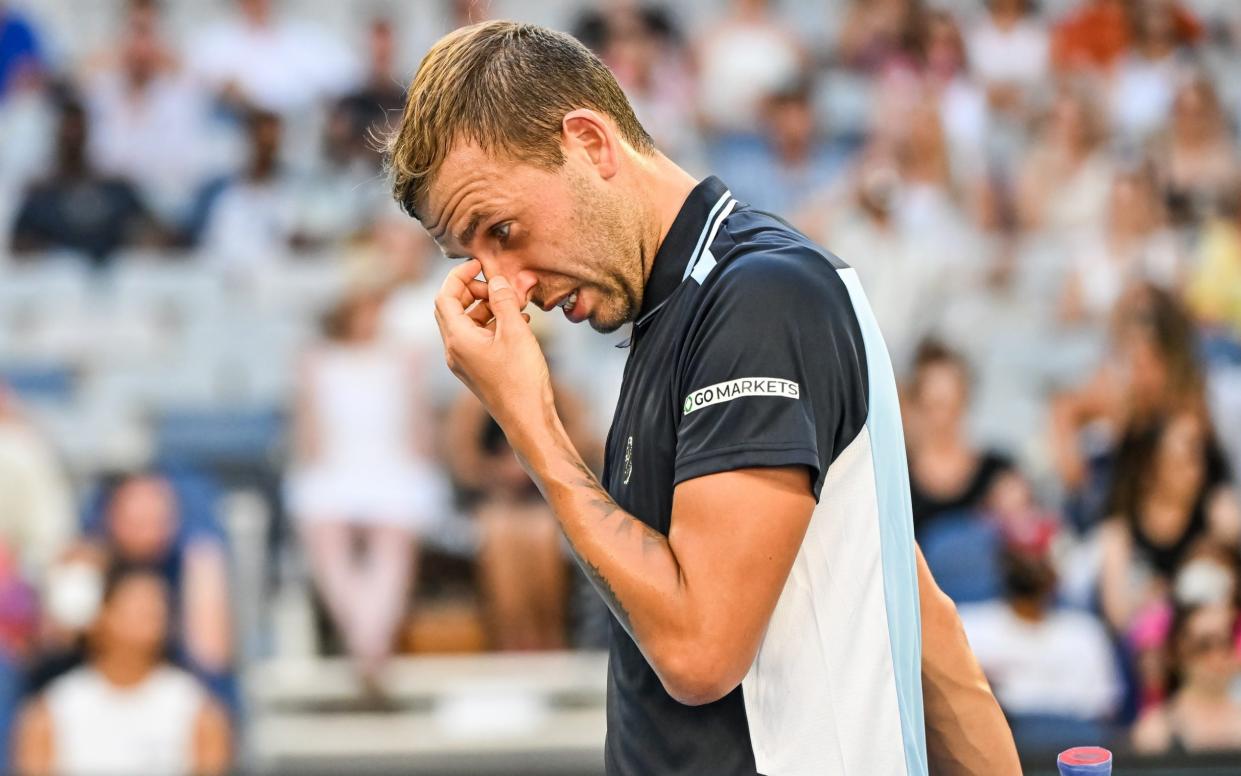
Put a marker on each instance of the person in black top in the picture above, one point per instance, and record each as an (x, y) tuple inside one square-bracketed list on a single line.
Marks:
[(947, 473), (753, 541)]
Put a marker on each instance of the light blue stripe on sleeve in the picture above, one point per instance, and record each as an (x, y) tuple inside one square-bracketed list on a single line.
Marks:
[(900, 571)]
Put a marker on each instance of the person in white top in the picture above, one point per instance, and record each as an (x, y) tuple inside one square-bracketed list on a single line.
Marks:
[(126, 711), (1042, 659), (264, 60), (362, 468)]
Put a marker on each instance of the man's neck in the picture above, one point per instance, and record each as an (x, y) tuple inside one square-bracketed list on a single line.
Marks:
[(665, 186)]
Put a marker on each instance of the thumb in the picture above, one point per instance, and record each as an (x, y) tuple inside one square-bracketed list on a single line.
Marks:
[(503, 301)]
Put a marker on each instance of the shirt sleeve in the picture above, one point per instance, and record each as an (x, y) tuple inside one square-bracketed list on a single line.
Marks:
[(773, 369)]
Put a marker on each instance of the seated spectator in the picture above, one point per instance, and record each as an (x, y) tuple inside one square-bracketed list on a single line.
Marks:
[(127, 710), (247, 221), (1008, 53), (78, 208), (1095, 35), (336, 199), (1201, 715), (935, 76), (37, 522), (165, 521), (1133, 245), (363, 486), (148, 118), (1042, 659), (370, 110), (745, 55), (1150, 369), (794, 161), (646, 53), (877, 34), (1196, 159), (1213, 291), (258, 60), (522, 567), (1144, 82), (21, 55), (1064, 181), (947, 473), (1171, 492)]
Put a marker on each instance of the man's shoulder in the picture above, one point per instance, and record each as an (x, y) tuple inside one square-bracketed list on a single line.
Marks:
[(765, 265)]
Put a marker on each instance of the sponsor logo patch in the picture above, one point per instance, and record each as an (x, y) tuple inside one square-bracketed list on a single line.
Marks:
[(735, 389)]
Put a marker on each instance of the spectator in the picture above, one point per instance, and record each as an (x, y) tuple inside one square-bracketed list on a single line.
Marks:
[(1144, 82), (259, 60), (1197, 158), (128, 710), (645, 51), (36, 511), (362, 475), (249, 221), (165, 521), (1042, 659), (1064, 182), (1096, 35), (1133, 245), (1171, 492), (794, 161), (947, 473), (935, 74), (1213, 290), (148, 118), (747, 54), (1201, 715), (78, 208), (879, 33), (366, 112), (522, 568), (21, 55), (1008, 53), (335, 201), (1151, 370)]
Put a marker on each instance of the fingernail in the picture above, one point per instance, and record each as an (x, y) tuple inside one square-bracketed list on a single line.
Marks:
[(499, 282)]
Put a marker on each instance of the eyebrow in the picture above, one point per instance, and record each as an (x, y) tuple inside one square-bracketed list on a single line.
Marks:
[(467, 235)]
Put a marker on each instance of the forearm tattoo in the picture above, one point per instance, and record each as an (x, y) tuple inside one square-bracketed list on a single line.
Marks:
[(605, 510)]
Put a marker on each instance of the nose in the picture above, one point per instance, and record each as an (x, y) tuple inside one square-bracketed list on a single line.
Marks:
[(523, 281)]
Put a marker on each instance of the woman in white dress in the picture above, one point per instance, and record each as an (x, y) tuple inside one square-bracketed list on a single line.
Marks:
[(362, 476)]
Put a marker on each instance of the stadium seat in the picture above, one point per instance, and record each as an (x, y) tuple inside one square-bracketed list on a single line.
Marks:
[(219, 436), (962, 551)]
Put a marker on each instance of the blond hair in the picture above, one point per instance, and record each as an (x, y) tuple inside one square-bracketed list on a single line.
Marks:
[(507, 87)]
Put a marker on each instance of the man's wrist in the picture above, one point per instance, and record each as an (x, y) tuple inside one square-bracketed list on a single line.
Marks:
[(536, 436)]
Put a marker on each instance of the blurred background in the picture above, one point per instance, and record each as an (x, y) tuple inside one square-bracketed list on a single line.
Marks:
[(249, 521)]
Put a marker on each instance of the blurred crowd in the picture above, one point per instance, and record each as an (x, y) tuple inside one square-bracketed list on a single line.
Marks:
[(205, 288)]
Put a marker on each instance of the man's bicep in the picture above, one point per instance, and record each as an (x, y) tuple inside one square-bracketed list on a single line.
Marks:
[(735, 535)]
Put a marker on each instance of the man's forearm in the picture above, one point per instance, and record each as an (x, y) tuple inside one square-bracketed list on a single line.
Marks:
[(966, 732), (631, 564)]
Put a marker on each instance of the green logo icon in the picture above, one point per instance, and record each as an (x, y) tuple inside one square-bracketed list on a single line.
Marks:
[(689, 404)]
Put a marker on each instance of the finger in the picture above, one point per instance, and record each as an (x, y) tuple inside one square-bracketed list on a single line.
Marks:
[(480, 313), (503, 301), (477, 288), (454, 295)]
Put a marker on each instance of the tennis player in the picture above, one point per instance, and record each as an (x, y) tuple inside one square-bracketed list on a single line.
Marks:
[(751, 533)]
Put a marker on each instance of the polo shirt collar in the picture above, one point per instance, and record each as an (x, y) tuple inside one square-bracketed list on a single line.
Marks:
[(683, 244)]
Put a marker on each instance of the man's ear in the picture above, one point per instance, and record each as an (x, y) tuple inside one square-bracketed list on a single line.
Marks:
[(589, 133)]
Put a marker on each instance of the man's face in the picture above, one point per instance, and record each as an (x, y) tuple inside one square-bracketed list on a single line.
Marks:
[(563, 237)]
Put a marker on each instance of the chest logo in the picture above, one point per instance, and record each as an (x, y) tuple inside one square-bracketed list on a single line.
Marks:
[(735, 389), (628, 470)]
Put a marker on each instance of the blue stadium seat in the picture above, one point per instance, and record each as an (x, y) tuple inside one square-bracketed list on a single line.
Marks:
[(41, 383), (962, 551), (212, 437), (1054, 733)]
